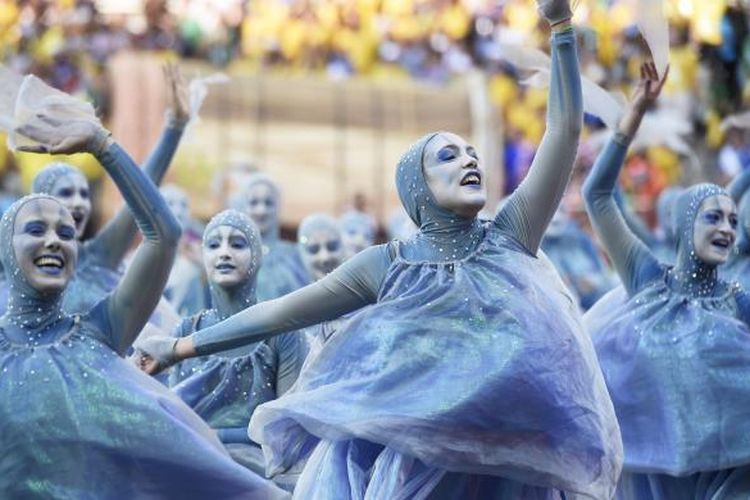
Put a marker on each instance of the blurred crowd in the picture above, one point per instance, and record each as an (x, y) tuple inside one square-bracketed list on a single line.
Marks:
[(68, 43)]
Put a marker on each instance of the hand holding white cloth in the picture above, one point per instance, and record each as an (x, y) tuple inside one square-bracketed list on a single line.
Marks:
[(39, 118)]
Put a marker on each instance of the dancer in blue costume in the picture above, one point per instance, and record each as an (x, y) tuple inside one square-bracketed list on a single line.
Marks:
[(676, 354), (77, 420), (357, 232), (225, 388), (186, 288), (282, 271), (469, 375), (99, 259), (321, 245), (577, 259), (738, 266)]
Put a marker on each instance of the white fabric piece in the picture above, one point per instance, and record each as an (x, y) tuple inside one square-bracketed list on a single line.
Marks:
[(10, 83), (653, 25), (198, 90), (22, 99), (596, 100)]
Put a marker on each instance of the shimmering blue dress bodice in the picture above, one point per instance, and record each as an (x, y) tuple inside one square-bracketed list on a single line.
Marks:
[(225, 388)]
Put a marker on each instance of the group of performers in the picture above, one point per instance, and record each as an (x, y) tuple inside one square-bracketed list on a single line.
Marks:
[(453, 364)]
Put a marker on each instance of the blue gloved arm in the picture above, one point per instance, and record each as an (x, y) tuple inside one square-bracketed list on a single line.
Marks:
[(129, 306), (351, 286), (739, 185), (632, 259), (532, 205), (113, 241)]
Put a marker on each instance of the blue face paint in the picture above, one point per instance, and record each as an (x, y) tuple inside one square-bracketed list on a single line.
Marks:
[(443, 235), (228, 301)]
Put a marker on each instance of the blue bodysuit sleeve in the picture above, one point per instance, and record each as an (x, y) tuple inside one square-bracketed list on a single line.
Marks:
[(532, 205), (129, 306), (113, 241), (739, 185), (351, 286), (632, 259)]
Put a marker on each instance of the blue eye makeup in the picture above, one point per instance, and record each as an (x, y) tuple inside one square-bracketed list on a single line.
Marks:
[(238, 242), (711, 217), (447, 153), (714, 217), (313, 249), (66, 232), (35, 228)]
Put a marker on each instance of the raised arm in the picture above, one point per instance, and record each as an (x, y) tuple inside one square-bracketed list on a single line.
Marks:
[(132, 302), (739, 186), (632, 259), (125, 311), (112, 243), (532, 205), (351, 286)]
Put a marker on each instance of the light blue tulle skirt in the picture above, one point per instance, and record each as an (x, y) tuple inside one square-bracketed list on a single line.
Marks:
[(678, 371), (468, 376)]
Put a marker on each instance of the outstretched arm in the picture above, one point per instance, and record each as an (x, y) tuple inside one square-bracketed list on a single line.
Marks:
[(632, 259), (351, 286), (112, 243), (532, 205)]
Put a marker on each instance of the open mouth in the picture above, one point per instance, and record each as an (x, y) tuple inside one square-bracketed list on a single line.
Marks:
[(50, 264), (472, 178), (225, 267), (78, 218), (722, 243)]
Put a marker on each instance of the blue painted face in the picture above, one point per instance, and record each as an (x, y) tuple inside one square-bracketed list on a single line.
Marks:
[(320, 245), (357, 232), (440, 181), (261, 199), (43, 246), (454, 175), (715, 229), (67, 184), (705, 220), (231, 250), (178, 203)]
